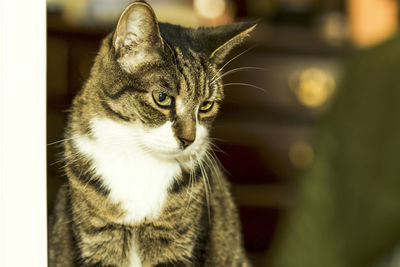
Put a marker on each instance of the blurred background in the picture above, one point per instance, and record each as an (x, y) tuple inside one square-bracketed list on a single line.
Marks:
[(268, 121)]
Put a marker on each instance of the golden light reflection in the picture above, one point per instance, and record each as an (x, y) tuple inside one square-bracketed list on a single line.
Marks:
[(372, 21), (210, 9), (312, 87), (301, 154)]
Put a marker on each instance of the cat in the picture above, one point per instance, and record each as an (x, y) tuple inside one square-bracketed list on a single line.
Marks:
[(144, 188)]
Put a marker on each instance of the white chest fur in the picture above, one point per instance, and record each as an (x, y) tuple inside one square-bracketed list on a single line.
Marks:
[(136, 179)]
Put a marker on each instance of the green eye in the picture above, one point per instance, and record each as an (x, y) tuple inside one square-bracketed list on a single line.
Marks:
[(206, 106), (162, 99)]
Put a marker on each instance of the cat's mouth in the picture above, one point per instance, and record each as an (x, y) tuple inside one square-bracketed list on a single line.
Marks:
[(162, 143), (184, 155)]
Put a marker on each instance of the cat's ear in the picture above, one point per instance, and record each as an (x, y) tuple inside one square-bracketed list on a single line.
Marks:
[(226, 37), (137, 40)]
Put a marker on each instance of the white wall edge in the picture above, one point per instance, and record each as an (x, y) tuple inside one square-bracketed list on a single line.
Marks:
[(23, 229)]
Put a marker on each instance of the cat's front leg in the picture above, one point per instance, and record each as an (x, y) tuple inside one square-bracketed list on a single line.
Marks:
[(108, 245)]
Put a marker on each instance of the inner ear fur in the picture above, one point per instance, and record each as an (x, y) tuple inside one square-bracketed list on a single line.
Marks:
[(137, 38)]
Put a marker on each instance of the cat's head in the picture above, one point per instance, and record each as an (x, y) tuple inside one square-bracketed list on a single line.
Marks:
[(156, 86)]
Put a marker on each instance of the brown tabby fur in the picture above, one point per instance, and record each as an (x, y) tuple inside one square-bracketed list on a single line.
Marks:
[(198, 225)]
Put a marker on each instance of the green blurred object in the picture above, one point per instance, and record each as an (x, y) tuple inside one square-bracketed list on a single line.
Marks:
[(347, 209)]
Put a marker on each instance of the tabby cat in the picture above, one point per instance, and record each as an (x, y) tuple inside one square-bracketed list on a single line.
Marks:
[(143, 186)]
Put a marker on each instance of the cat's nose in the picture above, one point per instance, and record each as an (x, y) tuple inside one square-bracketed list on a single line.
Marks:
[(185, 142)]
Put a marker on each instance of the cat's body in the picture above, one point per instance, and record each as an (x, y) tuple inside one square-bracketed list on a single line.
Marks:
[(143, 188)]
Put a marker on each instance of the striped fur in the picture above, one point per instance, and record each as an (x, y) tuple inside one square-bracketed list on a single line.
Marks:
[(176, 208)]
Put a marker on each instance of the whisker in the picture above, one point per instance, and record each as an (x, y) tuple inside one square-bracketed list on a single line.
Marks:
[(212, 164), (232, 59), (218, 163), (207, 198), (190, 187), (219, 139), (247, 84), (207, 187), (215, 147), (236, 70), (62, 140), (189, 190), (83, 171), (72, 158), (57, 162)]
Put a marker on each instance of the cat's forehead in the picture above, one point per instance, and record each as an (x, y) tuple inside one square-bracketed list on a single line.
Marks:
[(182, 38), (182, 72), (193, 75)]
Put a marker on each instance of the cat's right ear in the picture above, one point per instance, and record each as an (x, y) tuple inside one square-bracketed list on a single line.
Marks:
[(225, 37), (137, 40)]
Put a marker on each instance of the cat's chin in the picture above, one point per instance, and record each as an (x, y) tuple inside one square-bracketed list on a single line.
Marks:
[(183, 156), (188, 158)]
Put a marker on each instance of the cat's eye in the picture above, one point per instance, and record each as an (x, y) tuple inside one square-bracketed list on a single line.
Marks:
[(162, 99), (206, 106)]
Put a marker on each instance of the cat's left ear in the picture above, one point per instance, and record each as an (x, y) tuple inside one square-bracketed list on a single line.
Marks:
[(137, 40), (226, 37)]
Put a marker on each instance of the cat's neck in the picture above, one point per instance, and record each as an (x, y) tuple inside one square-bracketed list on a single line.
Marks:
[(137, 180)]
